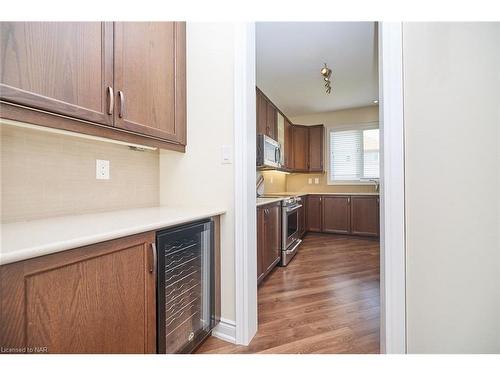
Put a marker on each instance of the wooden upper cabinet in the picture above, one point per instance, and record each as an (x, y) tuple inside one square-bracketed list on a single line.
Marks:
[(336, 214), (95, 299), (150, 78), (300, 148), (60, 67), (261, 113), (267, 116), (313, 212), (288, 145), (365, 215), (272, 121), (316, 135)]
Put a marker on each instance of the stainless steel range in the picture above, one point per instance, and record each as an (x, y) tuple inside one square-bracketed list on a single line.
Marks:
[(290, 225)]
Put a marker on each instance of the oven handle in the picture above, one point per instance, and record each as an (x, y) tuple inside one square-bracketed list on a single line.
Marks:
[(294, 208), (292, 250)]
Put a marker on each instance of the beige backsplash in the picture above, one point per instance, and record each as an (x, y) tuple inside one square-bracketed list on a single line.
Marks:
[(299, 183), (45, 175), (279, 182)]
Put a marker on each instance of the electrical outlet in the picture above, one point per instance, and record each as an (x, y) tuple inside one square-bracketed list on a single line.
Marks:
[(316, 180), (102, 169), (309, 181)]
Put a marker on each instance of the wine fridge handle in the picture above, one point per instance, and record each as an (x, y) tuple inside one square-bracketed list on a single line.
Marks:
[(153, 265)]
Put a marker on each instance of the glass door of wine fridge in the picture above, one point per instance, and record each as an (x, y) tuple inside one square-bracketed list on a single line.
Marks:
[(185, 293)]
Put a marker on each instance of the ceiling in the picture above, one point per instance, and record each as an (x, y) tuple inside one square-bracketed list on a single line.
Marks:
[(290, 56)]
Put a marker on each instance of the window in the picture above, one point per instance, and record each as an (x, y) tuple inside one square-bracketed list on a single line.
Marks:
[(354, 155)]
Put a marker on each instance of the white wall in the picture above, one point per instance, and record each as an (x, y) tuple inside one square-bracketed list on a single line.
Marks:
[(198, 177), (452, 126)]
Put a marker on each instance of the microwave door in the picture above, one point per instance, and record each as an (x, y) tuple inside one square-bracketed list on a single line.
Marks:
[(271, 155)]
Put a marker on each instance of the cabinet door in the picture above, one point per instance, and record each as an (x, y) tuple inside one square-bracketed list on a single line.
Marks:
[(59, 67), (300, 148), (336, 214), (273, 237), (288, 146), (272, 121), (260, 244), (314, 213), (150, 79), (365, 215), (95, 299), (316, 134), (302, 217), (261, 113)]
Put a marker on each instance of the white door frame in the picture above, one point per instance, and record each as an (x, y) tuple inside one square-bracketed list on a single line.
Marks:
[(392, 255), (245, 241), (392, 194)]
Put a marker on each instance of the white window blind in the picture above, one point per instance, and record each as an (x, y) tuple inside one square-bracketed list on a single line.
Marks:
[(354, 155)]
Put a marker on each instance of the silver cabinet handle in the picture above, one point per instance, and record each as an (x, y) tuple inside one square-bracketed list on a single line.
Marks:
[(121, 109), (111, 100), (153, 266)]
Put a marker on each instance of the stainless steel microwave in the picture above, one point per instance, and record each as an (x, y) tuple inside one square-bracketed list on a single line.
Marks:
[(268, 152)]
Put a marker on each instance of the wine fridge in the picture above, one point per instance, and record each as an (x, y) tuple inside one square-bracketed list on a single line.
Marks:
[(185, 288)]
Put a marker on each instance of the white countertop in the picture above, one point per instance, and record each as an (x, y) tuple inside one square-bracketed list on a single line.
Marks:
[(267, 200), (280, 196), (30, 239), (302, 193)]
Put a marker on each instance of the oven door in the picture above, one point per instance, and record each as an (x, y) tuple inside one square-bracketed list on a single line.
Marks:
[(290, 225)]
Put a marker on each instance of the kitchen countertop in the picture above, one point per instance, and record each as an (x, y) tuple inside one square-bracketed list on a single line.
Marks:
[(267, 200), (276, 197), (318, 193), (30, 239)]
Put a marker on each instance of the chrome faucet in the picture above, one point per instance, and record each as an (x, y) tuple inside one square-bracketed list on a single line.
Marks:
[(376, 182)]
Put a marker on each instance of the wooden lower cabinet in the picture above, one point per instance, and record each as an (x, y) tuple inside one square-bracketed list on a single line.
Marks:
[(302, 217), (336, 214), (365, 215), (314, 213), (268, 239), (94, 299), (342, 214)]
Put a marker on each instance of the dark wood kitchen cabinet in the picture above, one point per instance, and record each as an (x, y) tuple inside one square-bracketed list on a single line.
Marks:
[(314, 213), (336, 214), (267, 116), (94, 299), (149, 64), (315, 138), (302, 217), (129, 76), (60, 67), (365, 215), (300, 139), (268, 238), (288, 145), (261, 113)]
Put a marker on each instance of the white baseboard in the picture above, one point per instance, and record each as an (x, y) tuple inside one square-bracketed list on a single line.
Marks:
[(225, 330)]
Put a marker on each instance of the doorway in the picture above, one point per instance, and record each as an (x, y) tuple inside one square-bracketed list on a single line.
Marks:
[(392, 250)]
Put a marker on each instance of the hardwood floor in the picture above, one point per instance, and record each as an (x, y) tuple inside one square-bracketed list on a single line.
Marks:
[(325, 301)]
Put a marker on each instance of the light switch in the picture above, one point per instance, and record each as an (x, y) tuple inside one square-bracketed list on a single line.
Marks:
[(316, 180), (227, 154), (309, 181), (102, 169)]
